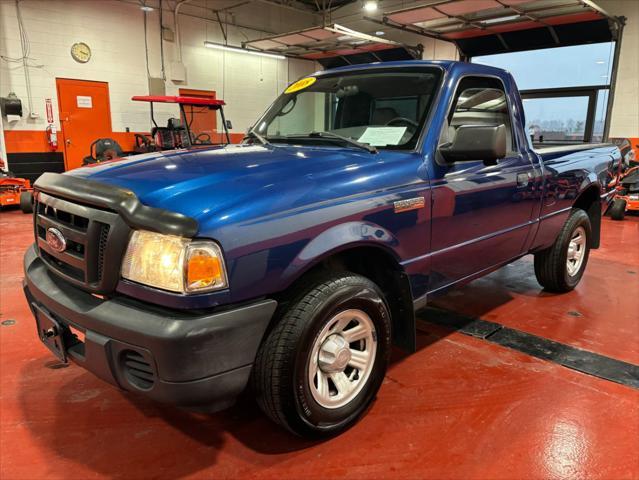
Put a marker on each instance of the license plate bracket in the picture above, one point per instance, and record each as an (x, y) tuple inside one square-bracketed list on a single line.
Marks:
[(51, 333)]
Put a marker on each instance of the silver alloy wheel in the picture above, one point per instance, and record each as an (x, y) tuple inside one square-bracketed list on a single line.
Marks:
[(576, 251), (342, 358)]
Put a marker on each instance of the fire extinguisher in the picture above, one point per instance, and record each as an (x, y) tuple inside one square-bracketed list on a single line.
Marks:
[(52, 137)]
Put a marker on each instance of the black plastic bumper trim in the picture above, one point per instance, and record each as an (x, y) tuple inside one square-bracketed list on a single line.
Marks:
[(120, 200), (583, 361), (198, 358)]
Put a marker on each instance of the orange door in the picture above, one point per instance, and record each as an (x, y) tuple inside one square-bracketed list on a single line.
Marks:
[(85, 116), (202, 120)]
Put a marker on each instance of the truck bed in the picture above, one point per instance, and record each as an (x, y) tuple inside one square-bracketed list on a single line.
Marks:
[(551, 152)]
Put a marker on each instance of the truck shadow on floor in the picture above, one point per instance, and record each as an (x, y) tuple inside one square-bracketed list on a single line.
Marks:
[(82, 419)]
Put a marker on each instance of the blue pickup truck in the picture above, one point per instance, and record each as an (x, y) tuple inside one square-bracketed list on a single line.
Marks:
[(288, 265)]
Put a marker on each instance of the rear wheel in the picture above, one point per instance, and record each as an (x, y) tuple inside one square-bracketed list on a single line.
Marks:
[(560, 267), (322, 364), (618, 209), (26, 202)]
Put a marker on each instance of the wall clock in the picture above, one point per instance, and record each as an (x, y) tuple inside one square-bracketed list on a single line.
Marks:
[(81, 52)]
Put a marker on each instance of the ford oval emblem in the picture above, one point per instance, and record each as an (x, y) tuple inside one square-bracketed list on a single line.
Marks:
[(56, 240)]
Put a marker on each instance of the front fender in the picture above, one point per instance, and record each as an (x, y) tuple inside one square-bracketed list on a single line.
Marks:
[(338, 238)]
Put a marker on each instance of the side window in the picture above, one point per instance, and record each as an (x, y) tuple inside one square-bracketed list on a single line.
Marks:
[(479, 101)]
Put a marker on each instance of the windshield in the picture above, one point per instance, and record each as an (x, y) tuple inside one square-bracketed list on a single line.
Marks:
[(384, 108), (205, 124)]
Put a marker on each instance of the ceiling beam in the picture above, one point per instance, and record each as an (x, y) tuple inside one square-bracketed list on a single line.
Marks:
[(293, 6), (593, 6), (410, 28)]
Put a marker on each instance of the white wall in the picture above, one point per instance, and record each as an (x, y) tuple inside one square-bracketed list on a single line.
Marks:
[(625, 112), (114, 31)]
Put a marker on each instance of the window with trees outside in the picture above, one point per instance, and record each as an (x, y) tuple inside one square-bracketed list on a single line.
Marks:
[(565, 90)]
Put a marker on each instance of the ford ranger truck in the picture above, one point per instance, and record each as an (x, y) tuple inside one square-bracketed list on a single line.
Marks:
[(288, 265)]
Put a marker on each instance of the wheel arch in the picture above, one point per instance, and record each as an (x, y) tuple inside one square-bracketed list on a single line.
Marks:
[(589, 200), (375, 259)]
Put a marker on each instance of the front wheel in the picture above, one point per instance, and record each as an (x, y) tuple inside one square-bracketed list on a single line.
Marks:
[(321, 366), (560, 267)]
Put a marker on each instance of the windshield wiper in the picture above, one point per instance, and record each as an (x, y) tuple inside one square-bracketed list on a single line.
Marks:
[(253, 134), (329, 135)]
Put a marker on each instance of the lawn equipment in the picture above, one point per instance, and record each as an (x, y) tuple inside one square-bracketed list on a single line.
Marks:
[(180, 133), (143, 143), (101, 150), (626, 198), (15, 191), (627, 150)]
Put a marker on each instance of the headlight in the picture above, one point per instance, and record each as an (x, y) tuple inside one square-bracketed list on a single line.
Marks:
[(174, 263)]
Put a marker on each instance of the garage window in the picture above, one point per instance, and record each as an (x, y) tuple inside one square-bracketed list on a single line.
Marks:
[(565, 101)]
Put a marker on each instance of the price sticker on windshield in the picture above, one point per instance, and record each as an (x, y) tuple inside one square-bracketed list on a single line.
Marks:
[(301, 84)]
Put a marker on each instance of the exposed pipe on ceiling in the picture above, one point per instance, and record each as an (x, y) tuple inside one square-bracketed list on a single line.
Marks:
[(176, 26)]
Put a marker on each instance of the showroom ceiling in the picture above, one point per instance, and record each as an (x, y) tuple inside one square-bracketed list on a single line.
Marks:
[(319, 5), (454, 19), (311, 29), (493, 26), (330, 41)]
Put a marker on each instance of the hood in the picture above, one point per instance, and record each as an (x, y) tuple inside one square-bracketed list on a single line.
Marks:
[(239, 182)]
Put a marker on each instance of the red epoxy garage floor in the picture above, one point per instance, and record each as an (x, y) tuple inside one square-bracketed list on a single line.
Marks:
[(460, 407)]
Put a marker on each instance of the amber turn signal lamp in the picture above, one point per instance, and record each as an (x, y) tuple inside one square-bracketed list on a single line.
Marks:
[(203, 270)]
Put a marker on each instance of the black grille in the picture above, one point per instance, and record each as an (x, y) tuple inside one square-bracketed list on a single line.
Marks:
[(137, 370), (102, 245), (95, 242), (63, 217)]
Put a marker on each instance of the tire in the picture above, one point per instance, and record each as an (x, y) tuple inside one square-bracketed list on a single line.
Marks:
[(26, 202), (553, 270), (283, 378), (618, 209)]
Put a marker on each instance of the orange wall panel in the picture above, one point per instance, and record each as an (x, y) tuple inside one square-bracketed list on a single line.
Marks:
[(28, 141), (35, 141)]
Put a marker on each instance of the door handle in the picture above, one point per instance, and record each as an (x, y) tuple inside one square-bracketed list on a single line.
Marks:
[(68, 141)]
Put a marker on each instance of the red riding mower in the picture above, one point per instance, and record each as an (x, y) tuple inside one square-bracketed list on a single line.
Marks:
[(626, 197), (183, 133), (15, 191), (177, 133)]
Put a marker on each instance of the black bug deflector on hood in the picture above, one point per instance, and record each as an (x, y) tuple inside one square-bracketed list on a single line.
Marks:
[(120, 200)]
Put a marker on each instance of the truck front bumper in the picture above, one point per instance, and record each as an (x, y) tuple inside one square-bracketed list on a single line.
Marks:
[(198, 359)]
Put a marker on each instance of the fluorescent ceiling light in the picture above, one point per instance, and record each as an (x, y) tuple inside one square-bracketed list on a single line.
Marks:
[(228, 48), (146, 8), (500, 19), (354, 33), (379, 33), (370, 6)]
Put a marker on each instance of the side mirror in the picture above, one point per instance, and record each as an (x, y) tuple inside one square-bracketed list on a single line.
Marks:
[(476, 142), (229, 125)]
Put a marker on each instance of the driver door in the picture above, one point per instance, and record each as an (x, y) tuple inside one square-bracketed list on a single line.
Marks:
[(481, 213)]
